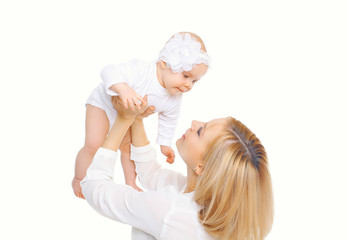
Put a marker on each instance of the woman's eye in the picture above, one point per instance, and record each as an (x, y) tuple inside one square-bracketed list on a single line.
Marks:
[(194, 81), (199, 131), (185, 76)]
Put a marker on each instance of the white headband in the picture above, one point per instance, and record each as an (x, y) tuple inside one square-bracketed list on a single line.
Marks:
[(182, 53)]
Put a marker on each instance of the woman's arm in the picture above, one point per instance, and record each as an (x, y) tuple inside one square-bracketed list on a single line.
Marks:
[(125, 118), (150, 173), (117, 132), (120, 202), (138, 134)]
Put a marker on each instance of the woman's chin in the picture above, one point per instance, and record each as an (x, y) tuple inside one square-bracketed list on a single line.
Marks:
[(178, 143)]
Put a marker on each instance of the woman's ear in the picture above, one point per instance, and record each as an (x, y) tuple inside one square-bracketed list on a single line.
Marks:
[(198, 169)]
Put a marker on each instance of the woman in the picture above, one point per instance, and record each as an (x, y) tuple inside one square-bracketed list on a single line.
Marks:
[(225, 195)]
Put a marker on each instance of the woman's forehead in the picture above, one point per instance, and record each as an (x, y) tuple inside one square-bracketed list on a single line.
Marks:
[(217, 121), (215, 124)]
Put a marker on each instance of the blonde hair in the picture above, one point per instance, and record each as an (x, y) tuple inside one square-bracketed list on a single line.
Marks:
[(235, 190)]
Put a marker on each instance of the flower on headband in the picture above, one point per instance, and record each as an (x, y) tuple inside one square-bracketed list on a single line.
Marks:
[(182, 53)]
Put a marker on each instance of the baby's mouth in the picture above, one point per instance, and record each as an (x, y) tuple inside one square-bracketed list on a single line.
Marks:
[(181, 90)]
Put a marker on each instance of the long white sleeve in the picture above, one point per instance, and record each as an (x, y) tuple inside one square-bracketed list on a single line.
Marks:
[(151, 174), (121, 202), (165, 213)]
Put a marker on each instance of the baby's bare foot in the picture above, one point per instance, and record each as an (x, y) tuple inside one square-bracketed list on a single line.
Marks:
[(135, 186)]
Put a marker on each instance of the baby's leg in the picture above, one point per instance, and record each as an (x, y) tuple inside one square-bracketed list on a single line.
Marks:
[(127, 163), (96, 130)]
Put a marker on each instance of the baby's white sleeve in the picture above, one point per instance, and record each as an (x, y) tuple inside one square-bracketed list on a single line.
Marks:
[(167, 123), (113, 74), (130, 73)]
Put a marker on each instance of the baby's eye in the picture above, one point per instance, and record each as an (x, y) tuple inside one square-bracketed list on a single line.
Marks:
[(194, 81), (185, 76), (199, 131)]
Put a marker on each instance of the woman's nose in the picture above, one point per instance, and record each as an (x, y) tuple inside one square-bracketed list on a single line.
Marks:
[(195, 124)]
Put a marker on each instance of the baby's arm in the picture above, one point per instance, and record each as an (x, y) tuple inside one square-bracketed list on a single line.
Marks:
[(168, 152), (167, 124)]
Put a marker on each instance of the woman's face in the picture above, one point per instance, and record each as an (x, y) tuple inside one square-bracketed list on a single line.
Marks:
[(193, 144)]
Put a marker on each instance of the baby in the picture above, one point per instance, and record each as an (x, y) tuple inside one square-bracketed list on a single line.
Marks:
[(181, 63)]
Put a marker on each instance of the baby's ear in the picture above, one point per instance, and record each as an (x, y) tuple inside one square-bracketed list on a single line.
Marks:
[(163, 64)]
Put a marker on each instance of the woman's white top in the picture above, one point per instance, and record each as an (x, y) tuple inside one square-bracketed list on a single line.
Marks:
[(163, 211)]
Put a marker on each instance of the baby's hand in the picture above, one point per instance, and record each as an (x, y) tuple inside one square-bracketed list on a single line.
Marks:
[(169, 153), (128, 96)]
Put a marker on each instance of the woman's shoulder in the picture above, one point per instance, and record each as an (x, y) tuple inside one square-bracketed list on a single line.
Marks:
[(178, 213), (178, 200), (181, 222), (169, 191)]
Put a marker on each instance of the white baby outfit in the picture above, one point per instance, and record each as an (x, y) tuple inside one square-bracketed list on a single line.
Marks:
[(163, 212), (141, 76)]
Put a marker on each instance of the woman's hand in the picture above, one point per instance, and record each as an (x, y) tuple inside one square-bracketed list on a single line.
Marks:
[(150, 110), (122, 123), (141, 113), (128, 96), (129, 113)]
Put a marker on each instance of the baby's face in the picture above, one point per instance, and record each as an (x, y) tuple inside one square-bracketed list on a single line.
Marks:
[(177, 83)]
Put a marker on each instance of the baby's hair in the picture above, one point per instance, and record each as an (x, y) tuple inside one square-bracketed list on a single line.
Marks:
[(183, 51), (194, 36)]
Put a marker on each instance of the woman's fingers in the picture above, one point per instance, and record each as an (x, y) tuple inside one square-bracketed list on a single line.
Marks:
[(141, 100), (144, 103), (120, 104), (137, 102), (124, 102), (131, 104), (150, 110)]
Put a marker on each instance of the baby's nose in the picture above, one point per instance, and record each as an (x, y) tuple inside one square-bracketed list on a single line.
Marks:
[(188, 85)]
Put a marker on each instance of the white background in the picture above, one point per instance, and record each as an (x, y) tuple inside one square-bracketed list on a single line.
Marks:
[(278, 66)]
